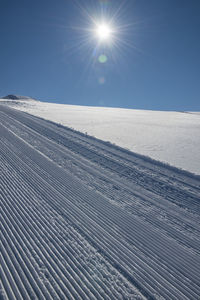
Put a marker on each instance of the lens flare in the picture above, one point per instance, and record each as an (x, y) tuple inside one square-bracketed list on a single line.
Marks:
[(102, 59)]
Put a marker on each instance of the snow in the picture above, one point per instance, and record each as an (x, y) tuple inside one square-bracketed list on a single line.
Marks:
[(84, 219), (168, 136)]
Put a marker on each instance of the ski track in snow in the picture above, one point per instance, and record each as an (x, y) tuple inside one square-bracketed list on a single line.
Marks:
[(83, 219)]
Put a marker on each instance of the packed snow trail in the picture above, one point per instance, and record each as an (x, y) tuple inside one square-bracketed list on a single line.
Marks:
[(83, 219)]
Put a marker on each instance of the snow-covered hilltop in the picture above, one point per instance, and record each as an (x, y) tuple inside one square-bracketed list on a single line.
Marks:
[(170, 137), (16, 97)]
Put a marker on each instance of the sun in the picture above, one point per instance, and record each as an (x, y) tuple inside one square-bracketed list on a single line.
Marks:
[(103, 32)]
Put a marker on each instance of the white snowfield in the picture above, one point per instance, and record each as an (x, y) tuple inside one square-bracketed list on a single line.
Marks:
[(84, 219), (170, 137)]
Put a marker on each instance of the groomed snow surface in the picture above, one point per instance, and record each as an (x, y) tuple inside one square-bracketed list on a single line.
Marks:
[(84, 219), (170, 137)]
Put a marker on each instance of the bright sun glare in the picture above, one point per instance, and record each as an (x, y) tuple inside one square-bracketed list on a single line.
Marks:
[(103, 32)]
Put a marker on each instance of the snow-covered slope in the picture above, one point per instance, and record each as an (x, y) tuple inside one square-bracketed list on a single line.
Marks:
[(171, 137), (83, 219)]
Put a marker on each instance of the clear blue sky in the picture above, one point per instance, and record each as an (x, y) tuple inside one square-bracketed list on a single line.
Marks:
[(46, 53)]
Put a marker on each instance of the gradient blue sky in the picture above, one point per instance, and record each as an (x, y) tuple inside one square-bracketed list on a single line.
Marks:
[(155, 64)]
